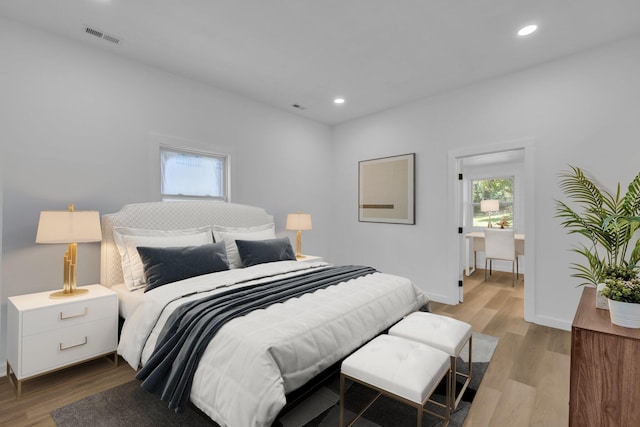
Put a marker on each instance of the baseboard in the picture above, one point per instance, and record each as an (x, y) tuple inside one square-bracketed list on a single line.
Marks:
[(3, 369), (551, 322), (444, 299)]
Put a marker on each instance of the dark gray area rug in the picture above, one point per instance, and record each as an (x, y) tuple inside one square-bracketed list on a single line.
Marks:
[(130, 405)]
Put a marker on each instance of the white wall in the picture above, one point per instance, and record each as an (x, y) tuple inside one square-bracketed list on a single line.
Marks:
[(582, 110), (77, 128), (2, 312), (3, 125)]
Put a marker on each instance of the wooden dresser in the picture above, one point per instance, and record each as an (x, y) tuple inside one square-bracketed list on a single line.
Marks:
[(605, 369)]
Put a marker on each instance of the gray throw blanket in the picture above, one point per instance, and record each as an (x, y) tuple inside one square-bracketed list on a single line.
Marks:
[(186, 334)]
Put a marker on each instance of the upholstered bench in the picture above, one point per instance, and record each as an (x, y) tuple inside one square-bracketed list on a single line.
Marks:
[(444, 333), (401, 369)]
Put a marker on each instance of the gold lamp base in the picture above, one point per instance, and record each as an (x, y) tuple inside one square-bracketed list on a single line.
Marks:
[(299, 244), (69, 274), (65, 294)]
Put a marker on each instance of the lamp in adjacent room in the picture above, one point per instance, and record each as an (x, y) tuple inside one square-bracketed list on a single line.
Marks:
[(299, 222), (490, 206), (71, 227)]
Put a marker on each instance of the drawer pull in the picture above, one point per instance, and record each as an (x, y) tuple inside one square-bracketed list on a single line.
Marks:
[(84, 313), (73, 346)]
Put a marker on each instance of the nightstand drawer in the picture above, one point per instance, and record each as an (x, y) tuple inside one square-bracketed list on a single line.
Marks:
[(65, 315), (50, 350)]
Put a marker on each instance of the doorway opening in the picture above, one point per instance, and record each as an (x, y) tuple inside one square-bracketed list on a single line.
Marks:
[(494, 186)]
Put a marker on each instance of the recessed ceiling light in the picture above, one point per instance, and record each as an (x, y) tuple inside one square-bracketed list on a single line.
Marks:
[(525, 31), (338, 101)]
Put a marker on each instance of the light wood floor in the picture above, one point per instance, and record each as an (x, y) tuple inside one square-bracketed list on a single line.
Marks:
[(527, 383)]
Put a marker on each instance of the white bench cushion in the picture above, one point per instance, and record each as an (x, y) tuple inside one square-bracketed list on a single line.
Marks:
[(447, 334), (405, 368)]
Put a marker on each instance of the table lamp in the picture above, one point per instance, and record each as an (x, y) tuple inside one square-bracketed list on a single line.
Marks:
[(298, 221), (490, 206), (71, 227)]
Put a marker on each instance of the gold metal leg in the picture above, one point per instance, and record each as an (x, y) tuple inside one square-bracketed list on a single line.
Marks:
[(15, 382), (448, 403), (454, 381), (421, 407), (470, 359), (457, 397)]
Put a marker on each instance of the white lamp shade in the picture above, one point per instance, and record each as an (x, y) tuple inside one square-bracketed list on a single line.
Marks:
[(69, 227), (490, 205), (298, 221)]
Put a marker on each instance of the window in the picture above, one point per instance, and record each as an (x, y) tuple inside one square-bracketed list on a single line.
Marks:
[(188, 174), (500, 189)]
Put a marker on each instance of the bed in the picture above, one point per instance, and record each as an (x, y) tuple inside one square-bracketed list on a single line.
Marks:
[(254, 361)]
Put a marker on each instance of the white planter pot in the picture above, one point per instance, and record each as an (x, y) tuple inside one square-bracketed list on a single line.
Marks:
[(601, 301), (624, 314)]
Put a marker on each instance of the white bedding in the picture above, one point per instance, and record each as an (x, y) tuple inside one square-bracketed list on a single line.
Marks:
[(128, 300), (256, 359)]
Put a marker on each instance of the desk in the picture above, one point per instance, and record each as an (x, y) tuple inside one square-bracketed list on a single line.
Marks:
[(475, 239)]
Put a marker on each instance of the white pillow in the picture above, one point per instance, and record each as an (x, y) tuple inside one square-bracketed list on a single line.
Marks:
[(230, 234), (128, 239)]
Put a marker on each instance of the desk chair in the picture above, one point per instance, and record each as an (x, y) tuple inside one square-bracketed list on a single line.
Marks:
[(500, 244)]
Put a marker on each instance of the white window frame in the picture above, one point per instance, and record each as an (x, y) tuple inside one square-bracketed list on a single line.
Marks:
[(182, 150)]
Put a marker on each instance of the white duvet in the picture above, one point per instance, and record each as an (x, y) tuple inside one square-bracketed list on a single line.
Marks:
[(256, 359)]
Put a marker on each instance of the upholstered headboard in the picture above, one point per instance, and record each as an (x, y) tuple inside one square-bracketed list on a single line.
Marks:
[(170, 216)]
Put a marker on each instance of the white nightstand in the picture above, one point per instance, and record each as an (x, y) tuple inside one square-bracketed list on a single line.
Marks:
[(310, 258), (44, 334)]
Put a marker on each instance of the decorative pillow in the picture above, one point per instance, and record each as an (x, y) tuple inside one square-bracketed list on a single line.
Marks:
[(253, 252), (167, 265), (229, 235), (128, 239)]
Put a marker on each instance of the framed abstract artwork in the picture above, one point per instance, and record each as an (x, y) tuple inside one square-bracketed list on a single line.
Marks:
[(386, 189)]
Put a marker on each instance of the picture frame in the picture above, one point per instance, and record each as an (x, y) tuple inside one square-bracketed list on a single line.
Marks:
[(386, 189)]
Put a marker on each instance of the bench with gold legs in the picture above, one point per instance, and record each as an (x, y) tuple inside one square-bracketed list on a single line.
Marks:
[(441, 332), (401, 369)]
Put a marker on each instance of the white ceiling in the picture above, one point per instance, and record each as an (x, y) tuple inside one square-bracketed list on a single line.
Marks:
[(375, 53)]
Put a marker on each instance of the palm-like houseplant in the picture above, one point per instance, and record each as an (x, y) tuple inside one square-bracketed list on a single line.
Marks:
[(608, 221)]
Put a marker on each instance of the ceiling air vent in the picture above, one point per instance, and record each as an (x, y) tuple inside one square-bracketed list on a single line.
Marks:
[(104, 36)]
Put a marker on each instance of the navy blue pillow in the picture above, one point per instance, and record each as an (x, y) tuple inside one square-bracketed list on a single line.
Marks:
[(254, 252), (166, 265)]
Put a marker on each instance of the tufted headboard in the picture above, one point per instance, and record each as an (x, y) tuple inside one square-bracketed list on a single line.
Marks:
[(170, 216)]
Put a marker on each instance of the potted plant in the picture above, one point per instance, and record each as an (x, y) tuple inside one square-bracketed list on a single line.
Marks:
[(504, 222), (624, 300), (608, 222)]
